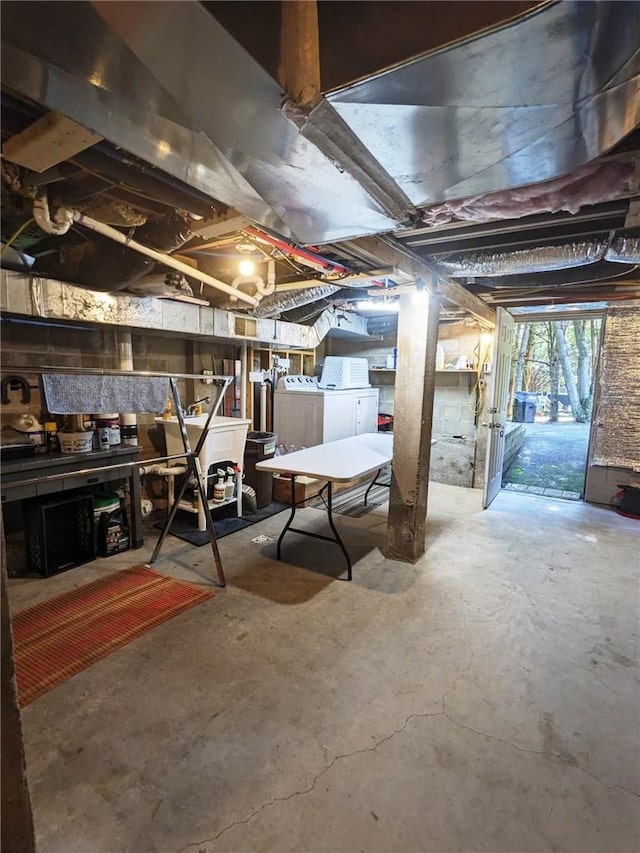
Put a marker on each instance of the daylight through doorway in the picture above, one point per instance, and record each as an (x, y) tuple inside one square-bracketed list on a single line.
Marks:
[(550, 404)]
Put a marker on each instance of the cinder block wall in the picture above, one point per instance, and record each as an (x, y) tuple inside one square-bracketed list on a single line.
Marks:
[(35, 345), (454, 404)]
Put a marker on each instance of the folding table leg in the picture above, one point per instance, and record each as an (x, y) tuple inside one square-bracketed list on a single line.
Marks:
[(291, 517), (335, 532)]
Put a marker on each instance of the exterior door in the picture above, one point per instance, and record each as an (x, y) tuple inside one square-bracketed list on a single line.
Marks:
[(497, 410)]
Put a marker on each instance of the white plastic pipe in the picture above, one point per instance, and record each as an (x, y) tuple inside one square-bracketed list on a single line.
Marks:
[(163, 470), (243, 380), (61, 222), (263, 407), (160, 257)]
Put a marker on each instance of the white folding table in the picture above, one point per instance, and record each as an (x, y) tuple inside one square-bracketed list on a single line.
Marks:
[(334, 462)]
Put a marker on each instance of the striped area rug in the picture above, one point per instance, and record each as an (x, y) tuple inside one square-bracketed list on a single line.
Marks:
[(351, 501), (61, 637)]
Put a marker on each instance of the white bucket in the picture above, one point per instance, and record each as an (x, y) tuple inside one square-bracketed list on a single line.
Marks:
[(76, 442)]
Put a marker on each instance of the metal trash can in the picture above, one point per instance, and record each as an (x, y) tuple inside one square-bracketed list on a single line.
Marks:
[(259, 446), (524, 407)]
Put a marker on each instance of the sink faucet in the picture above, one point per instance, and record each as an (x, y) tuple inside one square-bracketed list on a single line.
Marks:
[(193, 407)]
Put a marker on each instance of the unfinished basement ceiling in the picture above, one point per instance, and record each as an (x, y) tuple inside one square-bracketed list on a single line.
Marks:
[(445, 148)]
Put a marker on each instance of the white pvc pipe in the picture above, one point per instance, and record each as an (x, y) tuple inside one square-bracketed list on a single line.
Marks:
[(160, 257), (243, 380), (61, 222), (162, 470), (263, 407)]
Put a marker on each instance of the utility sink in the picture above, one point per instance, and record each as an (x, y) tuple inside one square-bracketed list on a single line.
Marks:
[(225, 441)]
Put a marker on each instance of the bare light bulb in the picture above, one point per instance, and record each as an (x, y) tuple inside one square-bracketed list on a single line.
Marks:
[(246, 267)]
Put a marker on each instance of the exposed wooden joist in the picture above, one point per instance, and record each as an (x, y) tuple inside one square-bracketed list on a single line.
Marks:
[(50, 140), (299, 68), (391, 253)]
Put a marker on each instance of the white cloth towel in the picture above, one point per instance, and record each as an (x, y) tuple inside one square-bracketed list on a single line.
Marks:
[(69, 394)]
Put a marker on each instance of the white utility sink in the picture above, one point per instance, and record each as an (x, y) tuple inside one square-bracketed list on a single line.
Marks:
[(225, 441)]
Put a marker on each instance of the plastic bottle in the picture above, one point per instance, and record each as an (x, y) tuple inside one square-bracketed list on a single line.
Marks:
[(51, 437), (229, 484), (218, 489)]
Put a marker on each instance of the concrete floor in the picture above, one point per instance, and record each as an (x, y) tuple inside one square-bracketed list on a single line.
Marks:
[(485, 699)]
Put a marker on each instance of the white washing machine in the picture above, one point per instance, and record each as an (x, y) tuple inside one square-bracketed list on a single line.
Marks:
[(306, 415)]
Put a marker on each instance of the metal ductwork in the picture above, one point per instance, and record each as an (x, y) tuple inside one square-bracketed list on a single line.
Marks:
[(624, 250), (522, 261), (270, 306), (167, 83)]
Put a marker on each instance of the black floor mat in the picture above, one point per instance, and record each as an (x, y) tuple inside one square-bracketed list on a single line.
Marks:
[(225, 521)]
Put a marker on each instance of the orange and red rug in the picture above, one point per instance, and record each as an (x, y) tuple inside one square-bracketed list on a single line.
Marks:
[(59, 638)]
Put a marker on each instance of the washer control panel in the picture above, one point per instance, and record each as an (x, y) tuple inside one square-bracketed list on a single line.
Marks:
[(298, 383)]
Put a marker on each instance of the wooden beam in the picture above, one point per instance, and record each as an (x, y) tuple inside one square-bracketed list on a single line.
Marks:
[(50, 140), (413, 416), (299, 67), (389, 252)]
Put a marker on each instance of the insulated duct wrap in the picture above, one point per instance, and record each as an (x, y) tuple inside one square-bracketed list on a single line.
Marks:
[(624, 250), (616, 440), (523, 261), (286, 300)]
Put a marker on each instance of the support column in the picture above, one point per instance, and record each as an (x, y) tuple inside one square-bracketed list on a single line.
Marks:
[(299, 68), (413, 415)]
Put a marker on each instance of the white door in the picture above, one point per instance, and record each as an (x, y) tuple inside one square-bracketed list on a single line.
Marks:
[(497, 410)]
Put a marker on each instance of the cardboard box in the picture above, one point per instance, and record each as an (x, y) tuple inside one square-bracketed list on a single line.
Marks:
[(306, 489)]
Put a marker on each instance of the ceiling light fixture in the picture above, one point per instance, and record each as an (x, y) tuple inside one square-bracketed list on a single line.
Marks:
[(246, 267), (420, 293)]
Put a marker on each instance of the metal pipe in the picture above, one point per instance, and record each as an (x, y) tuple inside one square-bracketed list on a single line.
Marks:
[(99, 371)]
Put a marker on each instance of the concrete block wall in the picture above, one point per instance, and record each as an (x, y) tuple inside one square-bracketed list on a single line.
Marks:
[(454, 404), (36, 344)]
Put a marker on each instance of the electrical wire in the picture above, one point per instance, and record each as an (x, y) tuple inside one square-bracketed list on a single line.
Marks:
[(16, 234)]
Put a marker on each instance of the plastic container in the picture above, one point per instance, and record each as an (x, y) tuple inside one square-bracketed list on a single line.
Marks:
[(76, 442), (259, 446), (110, 423)]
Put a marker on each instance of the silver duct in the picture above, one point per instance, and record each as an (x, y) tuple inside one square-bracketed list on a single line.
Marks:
[(624, 250), (272, 305), (458, 128), (522, 261)]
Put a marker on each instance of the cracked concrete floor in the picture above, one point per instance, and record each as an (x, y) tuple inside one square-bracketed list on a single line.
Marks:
[(484, 699)]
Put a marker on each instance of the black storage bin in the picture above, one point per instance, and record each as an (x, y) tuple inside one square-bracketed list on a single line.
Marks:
[(259, 446), (524, 407), (59, 534)]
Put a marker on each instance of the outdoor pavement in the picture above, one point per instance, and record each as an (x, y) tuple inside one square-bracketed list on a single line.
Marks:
[(551, 461)]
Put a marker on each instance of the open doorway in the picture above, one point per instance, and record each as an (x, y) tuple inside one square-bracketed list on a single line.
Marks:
[(550, 405)]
